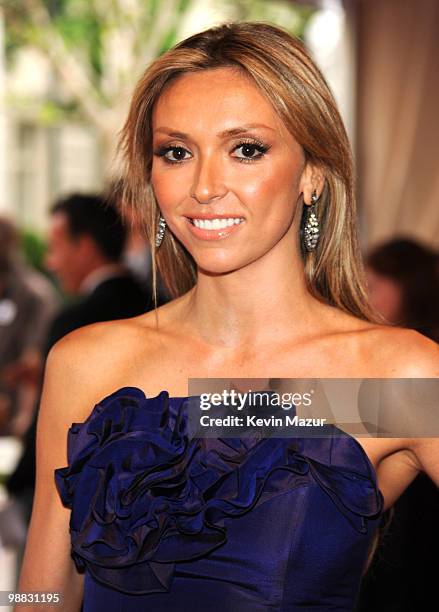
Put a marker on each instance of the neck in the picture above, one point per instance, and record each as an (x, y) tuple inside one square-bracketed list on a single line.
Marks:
[(262, 303)]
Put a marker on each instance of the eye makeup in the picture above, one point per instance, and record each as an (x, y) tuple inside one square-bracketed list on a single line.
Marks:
[(165, 149), (249, 147)]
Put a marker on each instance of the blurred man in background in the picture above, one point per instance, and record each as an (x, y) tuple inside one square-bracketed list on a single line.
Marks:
[(85, 247)]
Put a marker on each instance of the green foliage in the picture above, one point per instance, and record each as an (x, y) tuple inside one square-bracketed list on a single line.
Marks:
[(98, 48), (33, 246), (81, 29), (289, 15), (52, 113), (83, 25), (89, 32), (75, 21)]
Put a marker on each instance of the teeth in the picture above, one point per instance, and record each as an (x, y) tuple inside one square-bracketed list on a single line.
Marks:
[(216, 224)]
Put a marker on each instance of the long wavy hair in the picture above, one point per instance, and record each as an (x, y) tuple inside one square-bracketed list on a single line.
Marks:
[(282, 69)]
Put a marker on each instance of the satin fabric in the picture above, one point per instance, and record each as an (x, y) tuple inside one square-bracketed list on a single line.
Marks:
[(162, 521)]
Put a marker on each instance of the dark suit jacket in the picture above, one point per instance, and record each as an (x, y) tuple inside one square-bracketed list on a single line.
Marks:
[(118, 297)]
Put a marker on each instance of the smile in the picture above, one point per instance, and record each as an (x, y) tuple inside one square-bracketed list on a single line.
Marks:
[(216, 224), (214, 229)]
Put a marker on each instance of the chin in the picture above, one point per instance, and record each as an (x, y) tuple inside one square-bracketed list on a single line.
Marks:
[(219, 265)]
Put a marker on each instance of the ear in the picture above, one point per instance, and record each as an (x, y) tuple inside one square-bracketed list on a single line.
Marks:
[(312, 179)]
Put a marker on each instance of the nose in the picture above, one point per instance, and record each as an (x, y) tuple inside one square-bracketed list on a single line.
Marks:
[(208, 181)]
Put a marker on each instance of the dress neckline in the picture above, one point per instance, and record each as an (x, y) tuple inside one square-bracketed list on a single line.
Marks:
[(181, 398)]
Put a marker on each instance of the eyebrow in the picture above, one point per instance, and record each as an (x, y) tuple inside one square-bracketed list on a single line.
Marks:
[(224, 134)]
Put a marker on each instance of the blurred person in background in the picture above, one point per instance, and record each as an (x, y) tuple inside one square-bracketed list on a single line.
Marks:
[(87, 238), (137, 253), (86, 242), (27, 305), (403, 286), (137, 257), (403, 277)]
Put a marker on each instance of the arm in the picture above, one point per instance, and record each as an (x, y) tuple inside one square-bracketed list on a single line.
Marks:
[(81, 368), (426, 451), (47, 564), (403, 410), (422, 361)]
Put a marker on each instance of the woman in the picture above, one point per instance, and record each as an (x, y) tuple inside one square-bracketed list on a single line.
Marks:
[(235, 123)]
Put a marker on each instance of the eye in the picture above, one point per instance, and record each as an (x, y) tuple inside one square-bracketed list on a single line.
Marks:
[(250, 150), (173, 155)]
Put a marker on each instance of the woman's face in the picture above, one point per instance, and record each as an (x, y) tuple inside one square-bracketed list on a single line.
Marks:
[(221, 152)]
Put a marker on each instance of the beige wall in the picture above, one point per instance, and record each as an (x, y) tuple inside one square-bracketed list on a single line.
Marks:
[(398, 127)]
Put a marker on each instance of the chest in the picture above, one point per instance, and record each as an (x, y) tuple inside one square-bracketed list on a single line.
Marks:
[(170, 365)]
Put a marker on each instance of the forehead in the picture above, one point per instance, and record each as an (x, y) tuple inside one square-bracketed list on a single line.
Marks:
[(216, 99)]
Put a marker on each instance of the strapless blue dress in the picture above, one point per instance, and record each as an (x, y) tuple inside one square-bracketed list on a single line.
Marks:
[(164, 522)]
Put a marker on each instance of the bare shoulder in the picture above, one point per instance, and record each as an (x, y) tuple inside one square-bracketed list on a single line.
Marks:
[(403, 353), (111, 341), (96, 359), (88, 363), (88, 343), (368, 349), (93, 342)]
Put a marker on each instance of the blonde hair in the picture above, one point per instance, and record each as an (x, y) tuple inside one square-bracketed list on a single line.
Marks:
[(282, 69)]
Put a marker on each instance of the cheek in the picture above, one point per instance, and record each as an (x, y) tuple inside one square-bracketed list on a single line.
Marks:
[(392, 294), (69, 256), (65, 252), (170, 185), (386, 296), (273, 189), (55, 254)]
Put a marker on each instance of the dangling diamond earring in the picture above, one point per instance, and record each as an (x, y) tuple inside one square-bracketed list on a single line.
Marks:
[(160, 231), (311, 226)]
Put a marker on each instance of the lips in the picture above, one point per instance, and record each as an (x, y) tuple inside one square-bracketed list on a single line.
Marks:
[(213, 234), (210, 216)]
